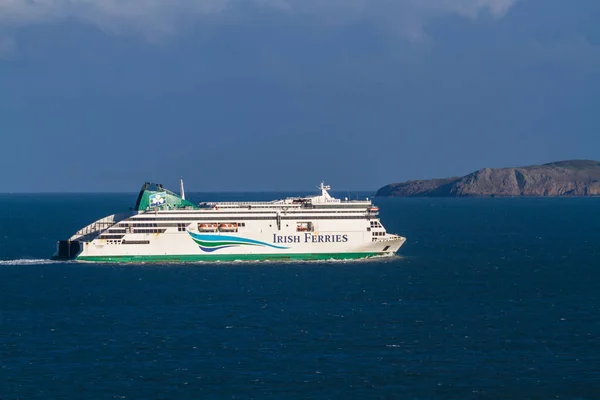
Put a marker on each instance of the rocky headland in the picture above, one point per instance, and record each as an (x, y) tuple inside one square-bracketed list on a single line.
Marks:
[(563, 178)]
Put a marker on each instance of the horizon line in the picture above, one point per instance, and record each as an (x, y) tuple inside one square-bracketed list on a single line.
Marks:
[(192, 192)]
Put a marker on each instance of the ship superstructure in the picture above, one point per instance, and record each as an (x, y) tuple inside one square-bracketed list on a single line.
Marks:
[(165, 227)]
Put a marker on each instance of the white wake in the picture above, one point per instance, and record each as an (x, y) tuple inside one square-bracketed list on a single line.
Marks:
[(23, 261)]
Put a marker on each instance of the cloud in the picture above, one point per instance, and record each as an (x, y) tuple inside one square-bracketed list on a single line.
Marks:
[(410, 16), (157, 18)]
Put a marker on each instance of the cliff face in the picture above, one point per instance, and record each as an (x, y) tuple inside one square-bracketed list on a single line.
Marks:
[(564, 178)]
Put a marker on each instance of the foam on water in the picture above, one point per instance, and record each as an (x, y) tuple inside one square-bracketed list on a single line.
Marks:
[(25, 261), (332, 261)]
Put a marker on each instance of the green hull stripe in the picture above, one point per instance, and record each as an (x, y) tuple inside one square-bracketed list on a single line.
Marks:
[(230, 257)]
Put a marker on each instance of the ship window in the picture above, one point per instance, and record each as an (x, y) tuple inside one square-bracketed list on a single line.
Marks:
[(304, 227), (368, 229)]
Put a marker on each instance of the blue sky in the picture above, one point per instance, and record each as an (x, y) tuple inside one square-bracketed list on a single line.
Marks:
[(236, 95)]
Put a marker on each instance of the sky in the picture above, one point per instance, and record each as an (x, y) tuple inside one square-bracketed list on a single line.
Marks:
[(253, 95)]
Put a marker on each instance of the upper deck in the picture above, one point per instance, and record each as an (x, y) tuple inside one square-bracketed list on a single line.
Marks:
[(324, 201), (158, 199)]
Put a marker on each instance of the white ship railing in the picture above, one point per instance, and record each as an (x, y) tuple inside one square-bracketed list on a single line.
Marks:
[(99, 226), (234, 204)]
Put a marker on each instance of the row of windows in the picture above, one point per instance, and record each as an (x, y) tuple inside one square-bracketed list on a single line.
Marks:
[(233, 211), (111, 236), (114, 241), (376, 224), (363, 206), (190, 219), (324, 217), (272, 211), (145, 225), (378, 233), (291, 218), (149, 230)]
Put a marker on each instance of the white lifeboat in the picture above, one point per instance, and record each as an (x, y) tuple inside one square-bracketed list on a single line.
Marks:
[(228, 227), (207, 227)]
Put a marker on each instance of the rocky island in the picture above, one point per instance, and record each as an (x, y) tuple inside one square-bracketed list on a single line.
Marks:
[(563, 178)]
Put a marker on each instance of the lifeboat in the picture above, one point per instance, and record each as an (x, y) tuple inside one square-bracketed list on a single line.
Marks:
[(207, 227), (228, 227), (373, 209)]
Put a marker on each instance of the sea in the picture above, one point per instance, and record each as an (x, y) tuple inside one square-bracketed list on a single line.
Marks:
[(490, 298)]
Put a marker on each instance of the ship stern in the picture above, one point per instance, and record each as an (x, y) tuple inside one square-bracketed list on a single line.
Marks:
[(67, 250)]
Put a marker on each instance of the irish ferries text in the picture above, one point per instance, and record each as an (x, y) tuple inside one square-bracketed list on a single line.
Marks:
[(310, 238)]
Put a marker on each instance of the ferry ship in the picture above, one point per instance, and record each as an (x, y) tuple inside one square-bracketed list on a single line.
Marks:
[(165, 227)]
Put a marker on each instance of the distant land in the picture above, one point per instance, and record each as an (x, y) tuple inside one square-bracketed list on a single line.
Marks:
[(562, 178)]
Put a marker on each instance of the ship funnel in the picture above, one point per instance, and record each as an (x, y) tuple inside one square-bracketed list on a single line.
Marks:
[(182, 189)]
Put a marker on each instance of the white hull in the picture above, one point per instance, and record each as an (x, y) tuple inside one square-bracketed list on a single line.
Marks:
[(176, 244)]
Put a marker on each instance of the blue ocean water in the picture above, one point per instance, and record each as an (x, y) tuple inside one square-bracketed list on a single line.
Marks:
[(488, 299)]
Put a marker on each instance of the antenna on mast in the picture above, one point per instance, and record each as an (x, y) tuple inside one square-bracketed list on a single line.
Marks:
[(324, 188), (182, 190)]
